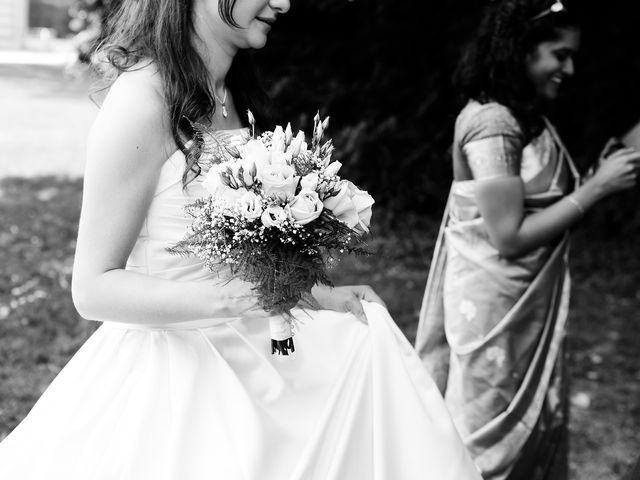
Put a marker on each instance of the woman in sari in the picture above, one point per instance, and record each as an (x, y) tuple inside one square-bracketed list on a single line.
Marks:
[(493, 318)]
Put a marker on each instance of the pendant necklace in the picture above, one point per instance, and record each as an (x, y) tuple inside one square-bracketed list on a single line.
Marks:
[(223, 102)]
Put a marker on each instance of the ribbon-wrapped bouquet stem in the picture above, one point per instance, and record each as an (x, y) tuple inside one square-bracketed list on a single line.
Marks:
[(276, 211)]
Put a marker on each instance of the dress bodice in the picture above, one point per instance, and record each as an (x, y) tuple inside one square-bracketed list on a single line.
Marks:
[(166, 222)]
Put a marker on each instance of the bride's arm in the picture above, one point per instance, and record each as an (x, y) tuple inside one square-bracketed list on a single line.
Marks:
[(127, 147)]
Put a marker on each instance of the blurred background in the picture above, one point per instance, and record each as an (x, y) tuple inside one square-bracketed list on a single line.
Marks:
[(382, 70)]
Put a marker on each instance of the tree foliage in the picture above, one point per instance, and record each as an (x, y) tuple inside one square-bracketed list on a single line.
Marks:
[(382, 70)]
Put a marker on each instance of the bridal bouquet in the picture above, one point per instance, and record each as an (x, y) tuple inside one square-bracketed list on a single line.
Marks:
[(276, 212)]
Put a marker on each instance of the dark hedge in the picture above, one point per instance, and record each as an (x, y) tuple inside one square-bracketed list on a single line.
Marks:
[(382, 70)]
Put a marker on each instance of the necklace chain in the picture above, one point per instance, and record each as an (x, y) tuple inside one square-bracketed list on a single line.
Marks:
[(222, 102)]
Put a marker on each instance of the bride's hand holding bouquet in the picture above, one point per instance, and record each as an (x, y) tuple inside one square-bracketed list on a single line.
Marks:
[(276, 211)]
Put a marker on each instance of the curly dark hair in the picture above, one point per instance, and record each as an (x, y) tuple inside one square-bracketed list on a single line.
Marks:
[(162, 31), (493, 65)]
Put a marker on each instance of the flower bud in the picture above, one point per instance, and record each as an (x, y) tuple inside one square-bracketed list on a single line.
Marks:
[(233, 174), (225, 178), (277, 140), (332, 169), (247, 172), (296, 144), (233, 151), (288, 134)]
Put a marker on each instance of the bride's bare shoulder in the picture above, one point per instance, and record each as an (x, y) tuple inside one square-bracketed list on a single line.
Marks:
[(143, 79), (134, 113), (138, 92)]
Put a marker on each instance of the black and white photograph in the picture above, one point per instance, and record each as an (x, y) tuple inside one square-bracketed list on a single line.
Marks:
[(319, 240)]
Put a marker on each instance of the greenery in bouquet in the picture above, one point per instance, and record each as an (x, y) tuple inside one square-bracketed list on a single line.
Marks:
[(276, 212)]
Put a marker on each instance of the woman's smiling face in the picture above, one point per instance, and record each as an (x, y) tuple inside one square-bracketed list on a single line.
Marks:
[(254, 19), (551, 62)]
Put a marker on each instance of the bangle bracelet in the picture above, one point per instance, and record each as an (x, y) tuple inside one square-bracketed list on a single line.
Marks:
[(576, 204)]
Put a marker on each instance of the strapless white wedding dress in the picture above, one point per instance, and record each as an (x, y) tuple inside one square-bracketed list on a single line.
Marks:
[(203, 400)]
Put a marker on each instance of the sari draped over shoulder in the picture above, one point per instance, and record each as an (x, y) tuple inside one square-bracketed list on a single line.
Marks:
[(491, 329)]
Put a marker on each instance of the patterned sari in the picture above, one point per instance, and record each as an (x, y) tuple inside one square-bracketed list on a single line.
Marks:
[(491, 330)]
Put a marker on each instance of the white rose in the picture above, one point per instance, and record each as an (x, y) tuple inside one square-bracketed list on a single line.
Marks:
[(250, 206), (232, 195), (342, 206), (213, 181), (255, 151), (309, 181), (351, 206), (279, 181), (274, 216), (306, 207), (363, 203)]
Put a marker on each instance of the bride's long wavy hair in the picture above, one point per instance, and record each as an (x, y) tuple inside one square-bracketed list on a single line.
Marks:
[(162, 31), (493, 67)]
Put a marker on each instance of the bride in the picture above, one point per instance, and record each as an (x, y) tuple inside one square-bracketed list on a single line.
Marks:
[(179, 382)]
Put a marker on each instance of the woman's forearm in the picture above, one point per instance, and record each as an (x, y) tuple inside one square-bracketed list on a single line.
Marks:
[(512, 231), (619, 172), (130, 297), (542, 227)]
